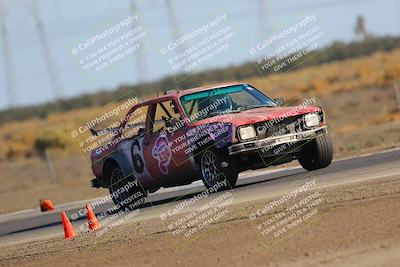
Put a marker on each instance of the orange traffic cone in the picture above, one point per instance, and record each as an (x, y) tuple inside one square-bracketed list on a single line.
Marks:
[(46, 204), (93, 223), (69, 231)]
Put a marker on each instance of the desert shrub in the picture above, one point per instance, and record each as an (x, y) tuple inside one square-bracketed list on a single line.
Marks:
[(52, 140), (391, 73), (18, 150)]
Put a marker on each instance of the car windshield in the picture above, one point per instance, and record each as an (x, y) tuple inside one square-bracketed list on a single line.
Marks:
[(223, 100)]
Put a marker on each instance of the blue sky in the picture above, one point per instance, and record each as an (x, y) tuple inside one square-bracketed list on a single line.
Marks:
[(68, 23)]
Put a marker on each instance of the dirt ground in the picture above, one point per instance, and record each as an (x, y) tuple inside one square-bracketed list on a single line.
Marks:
[(24, 182), (355, 225)]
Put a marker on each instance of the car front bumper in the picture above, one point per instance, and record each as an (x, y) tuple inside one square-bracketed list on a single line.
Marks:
[(270, 142)]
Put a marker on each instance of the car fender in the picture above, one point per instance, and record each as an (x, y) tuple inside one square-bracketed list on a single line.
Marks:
[(122, 161), (220, 134)]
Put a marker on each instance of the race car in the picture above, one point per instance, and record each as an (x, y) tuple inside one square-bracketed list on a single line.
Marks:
[(209, 133)]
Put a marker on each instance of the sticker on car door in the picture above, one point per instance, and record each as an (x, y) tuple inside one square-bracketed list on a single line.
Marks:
[(162, 153)]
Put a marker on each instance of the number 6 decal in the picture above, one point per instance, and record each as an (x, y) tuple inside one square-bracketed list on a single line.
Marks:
[(138, 163)]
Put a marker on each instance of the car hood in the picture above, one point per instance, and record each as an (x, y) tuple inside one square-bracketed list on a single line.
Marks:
[(252, 116)]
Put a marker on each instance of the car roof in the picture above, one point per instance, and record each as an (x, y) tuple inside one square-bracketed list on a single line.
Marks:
[(186, 91), (207, 87)]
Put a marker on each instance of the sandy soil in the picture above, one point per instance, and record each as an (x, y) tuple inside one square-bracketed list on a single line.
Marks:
[(23, 183), (355, 225)]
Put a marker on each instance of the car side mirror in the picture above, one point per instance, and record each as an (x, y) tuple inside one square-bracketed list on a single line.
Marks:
[(279, 101)]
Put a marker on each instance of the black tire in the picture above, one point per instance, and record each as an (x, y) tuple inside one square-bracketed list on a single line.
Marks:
[(225, 171), (123, 190), (317, 154)]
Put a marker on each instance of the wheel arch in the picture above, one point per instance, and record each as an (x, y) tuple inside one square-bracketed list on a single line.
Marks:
[(218, 143), (199, 148), (118, 160)]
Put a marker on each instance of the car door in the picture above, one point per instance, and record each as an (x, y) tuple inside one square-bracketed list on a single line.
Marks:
[(165, 144), (132, 147)]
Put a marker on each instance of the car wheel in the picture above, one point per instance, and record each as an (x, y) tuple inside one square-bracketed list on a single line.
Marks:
[(217, 170), (317, 154), (123, 193)]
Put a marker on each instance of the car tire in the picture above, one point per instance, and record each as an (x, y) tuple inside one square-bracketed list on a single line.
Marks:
[(317, 154), (123, 195), (217, 170)]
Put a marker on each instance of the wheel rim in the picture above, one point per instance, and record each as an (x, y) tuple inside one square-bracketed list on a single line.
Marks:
[(210, 169), (117, 182)]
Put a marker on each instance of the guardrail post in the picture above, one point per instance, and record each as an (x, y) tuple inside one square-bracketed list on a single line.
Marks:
[(396, 94), (50, 166)]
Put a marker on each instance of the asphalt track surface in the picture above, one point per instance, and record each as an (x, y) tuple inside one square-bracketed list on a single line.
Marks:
[(30, 225)]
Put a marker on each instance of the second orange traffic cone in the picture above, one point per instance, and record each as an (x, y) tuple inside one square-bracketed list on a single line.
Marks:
[(93, 223), (46, 205), (69, 231)]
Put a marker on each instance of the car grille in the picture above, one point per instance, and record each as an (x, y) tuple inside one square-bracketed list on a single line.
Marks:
[(282, 126)]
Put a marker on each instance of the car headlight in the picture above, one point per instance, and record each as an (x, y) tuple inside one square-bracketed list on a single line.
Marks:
[(247, 132), (311, 120)]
